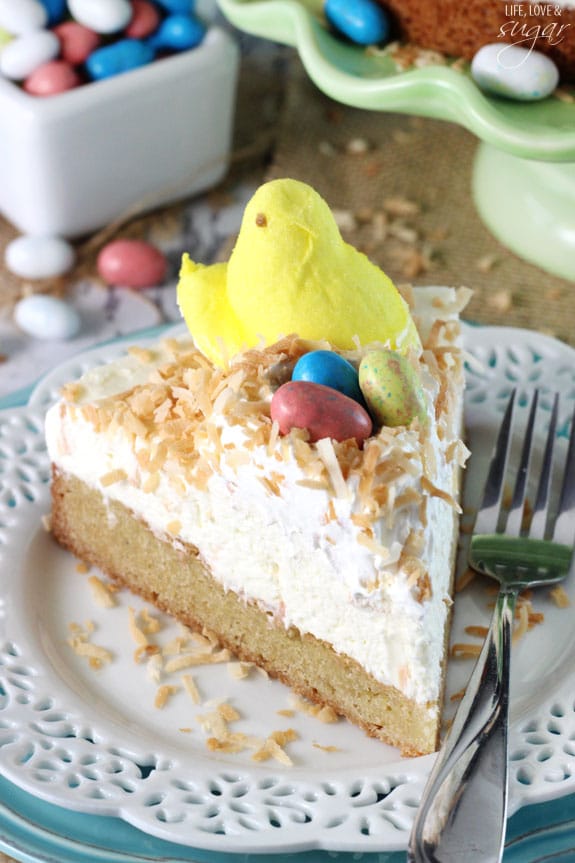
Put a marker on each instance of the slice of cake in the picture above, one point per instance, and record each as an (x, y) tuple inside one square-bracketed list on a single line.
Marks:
[(325, 558)]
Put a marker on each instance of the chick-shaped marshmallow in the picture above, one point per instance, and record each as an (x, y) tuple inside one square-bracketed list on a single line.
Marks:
[(291, 272)]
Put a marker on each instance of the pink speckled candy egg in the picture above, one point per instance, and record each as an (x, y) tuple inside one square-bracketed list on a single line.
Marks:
[(132, 264), (145, 20), (52, 78), (76, 41), (323, 411)]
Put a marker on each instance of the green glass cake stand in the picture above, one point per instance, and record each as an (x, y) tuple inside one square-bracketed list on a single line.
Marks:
[(524, 171)]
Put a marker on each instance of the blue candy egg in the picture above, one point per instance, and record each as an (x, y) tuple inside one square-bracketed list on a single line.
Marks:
[(178, 33), (177, 7), (118, 57), (331, 370), (56, 10), (362, 21)]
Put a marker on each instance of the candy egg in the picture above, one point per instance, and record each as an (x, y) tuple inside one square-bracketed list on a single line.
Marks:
[(56, 10), (178, 33), (362, 21), (76, 41), (25, 53), (52, 78), (177, 7), (119, 57), (323, 411), (32, 257), (22, 16), (47, 317), (331, 370), (132, 264), (392, 388), (515, 72), (103, 16), (145, 19)]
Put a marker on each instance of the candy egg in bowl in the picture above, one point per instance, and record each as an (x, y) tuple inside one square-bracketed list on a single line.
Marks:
[(76, 160)]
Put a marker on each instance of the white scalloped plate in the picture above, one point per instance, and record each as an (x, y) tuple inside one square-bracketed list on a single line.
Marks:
[(92, 741)]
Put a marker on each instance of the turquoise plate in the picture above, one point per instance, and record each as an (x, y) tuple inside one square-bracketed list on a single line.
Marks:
[(366, 79), (33, 831)]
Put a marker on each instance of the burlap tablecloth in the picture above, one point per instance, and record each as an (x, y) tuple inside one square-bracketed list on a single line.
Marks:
[(401, 189)]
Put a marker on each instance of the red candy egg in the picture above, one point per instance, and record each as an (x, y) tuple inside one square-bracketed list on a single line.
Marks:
[(132, 264), (145, 20), (49, 79), (76, 41), (323, 411)]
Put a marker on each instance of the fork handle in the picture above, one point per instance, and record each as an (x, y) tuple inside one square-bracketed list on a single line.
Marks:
[(463, 811)]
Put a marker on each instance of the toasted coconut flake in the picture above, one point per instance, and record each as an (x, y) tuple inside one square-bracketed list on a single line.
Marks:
[(145, 651), (273, 748), (144, 355), (190, 660), (154, 667), (560, 597), (151, 624), (478, 631), (191, 688), (113, 476), (464, 579), (434, 491), (79, 641), (326, 748), (372, 546), (239, 670), (465, 651), (101, 592), (327, 454), (457, 696), (138, 634), (522, 623), (163, 693)]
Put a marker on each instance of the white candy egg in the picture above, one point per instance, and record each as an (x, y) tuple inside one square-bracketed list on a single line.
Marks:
[(47, 317), (103, 16), (22, 16), (515, 72), (33, 257), (25, 53)]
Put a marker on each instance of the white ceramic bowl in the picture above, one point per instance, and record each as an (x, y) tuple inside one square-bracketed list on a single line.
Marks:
[(74, 162)]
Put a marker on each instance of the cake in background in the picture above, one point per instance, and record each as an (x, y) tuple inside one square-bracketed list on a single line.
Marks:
[(288, 476), (461, 29)]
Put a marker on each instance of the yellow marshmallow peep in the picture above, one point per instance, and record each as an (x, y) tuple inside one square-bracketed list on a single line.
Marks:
[(291, 272)]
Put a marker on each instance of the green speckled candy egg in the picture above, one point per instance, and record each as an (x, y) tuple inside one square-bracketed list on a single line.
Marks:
[(392, 388)]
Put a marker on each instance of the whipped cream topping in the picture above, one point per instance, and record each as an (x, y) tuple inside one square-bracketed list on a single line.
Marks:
[(354, 548)]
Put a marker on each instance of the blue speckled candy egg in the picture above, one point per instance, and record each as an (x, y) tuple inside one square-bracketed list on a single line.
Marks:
[(362, 21), (392, 388), (514, 72), (118, 57), (331, 370), (46, 317)]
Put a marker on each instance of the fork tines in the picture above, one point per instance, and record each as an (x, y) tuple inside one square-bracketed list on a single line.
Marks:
[(550, 516)]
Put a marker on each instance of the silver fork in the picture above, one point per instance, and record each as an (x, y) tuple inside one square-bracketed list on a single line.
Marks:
[(462, 815)]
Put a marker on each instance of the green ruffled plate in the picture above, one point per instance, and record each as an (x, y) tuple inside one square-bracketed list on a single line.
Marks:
[(369, 79)]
